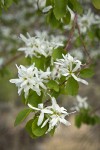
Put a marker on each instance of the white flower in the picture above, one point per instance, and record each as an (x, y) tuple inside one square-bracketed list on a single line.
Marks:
[(30, 48), (42, 112), (55, 73), (81, 103), (56, 108), (39, 45), (87, 20), (57, 117), (30, 78), (69, 67), (54, 114)]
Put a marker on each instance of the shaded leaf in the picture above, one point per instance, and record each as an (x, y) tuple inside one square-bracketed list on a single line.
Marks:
[(37, 130), (22, 116)]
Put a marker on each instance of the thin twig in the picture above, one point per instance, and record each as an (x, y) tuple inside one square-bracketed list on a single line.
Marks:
[(84, 46), (71, 33)]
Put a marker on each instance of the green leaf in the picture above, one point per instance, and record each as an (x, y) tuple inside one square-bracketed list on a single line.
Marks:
[(67, 17), (59, 8), (72, 86), (22, 116), (87, 73), (23, 99), (96, 4), (28, 128), (34, 99), (53, 85), (55, 94), (48, 2), (8, 3), (37, 130), (75, 6), (57, 53), (78, 121), (52, 20), (39, 62)]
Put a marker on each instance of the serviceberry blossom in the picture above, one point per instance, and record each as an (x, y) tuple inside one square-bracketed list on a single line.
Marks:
[(30, 78), (69, 67), (54, 114), (42, 112), (37, 46), (87, 20), (58, 116), (81, 103)]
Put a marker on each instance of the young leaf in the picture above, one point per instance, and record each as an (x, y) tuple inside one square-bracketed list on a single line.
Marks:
[(87, 73), (34, 99), (72, 86), (28, 128), (8, 2), (76, 6), (67, 17), (96, 4), (57, 53), (59, 8), (78, 121), (39, 62), (22, 116), (51, 19), (55, 94), (53, 85), (37, 130)]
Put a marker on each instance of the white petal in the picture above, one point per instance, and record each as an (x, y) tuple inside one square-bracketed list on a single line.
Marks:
[(40, 106), (14, 81), (76, 67), (23, 38), (40, 120), (79, 80), (67, 123), (33, 107), (54, 104), (54, 121), (46, 9), (47, 111), (45, 122)]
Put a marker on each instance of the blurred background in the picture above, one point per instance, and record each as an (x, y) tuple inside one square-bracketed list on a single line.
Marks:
[(23, 18)]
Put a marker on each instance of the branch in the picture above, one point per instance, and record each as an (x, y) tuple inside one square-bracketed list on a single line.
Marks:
[(71, 33), (84, 47)]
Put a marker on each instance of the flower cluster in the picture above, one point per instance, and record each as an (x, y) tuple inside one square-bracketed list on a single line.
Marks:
[(39, 45), (81, 103), (87, 20), (69, 66), (30, 78), (54, 115), (47, 81)]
